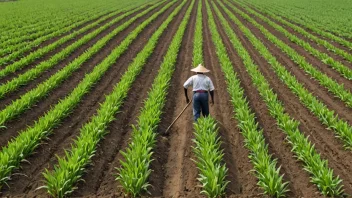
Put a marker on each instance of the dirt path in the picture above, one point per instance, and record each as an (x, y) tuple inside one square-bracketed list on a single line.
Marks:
[(173, 152)]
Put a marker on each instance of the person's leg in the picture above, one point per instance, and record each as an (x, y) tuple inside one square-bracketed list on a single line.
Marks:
[(196, 106), (205, 104)]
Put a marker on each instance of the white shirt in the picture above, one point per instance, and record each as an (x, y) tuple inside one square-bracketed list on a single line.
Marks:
[(199, 82)]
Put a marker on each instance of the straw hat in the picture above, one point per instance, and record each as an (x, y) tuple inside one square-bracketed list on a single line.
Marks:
[(200, 68)]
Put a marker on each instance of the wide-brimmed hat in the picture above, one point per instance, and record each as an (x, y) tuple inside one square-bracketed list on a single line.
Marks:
[(200, 68)]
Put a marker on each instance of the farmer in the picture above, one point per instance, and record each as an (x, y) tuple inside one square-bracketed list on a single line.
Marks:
[(201, 85)]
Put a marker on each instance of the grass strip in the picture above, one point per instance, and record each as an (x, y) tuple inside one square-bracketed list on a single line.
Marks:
[(135, 169), (265, 169), (24, 144), (342, 129), (60, 182), (28, 99), (321, 174), (332, 86)]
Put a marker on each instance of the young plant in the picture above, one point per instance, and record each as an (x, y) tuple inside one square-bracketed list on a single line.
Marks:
[(70, 168), (135, 168), (265, 169), (304, 150), (212, 169), (23, 145)]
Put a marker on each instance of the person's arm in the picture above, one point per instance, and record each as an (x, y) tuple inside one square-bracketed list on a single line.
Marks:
[(212, 96), (187, 100), (211, 91), (188, 83)]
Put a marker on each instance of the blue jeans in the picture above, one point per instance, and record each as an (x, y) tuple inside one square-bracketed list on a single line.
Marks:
[(200, 104)]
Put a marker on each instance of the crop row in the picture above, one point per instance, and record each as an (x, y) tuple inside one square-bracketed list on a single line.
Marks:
[(338, 66), (70, 168), (24, 144), (27, 29), (334, 87), (304, 150), (135, 168), (17, 46), (198, 38), (44, 50), (319, 109), (17, 51), (300, 30), (20, 38), (305, 22), (12, 37), (212, 170), (28, 99), (33, 73), (265, 167)]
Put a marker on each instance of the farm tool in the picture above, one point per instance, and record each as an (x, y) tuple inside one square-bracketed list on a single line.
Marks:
[(179, 115)]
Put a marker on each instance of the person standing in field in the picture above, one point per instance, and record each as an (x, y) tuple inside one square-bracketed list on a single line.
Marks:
[(201, 84)]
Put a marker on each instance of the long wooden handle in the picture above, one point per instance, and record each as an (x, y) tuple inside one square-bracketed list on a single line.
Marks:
[(178, 116)]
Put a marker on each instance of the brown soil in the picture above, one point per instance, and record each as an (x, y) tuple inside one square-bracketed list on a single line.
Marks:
[(174, 173)]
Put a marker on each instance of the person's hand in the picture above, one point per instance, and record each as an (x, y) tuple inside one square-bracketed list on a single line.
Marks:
[(187, 100)]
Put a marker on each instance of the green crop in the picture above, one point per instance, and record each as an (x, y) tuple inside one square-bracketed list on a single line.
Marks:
[(338, 66), (28, 99), (320, 110), (304, 150), (70, 168), (335, 88), (23, 145), (265, 167), (212, 170), (300, 30), (33, 73), (330, 19), (135, 168), (198, 38), (209, 155)]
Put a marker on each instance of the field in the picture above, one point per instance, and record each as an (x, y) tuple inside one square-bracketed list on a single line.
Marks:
[(88, 89)]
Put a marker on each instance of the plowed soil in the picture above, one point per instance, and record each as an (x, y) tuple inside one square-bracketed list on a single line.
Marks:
[(174, 171)]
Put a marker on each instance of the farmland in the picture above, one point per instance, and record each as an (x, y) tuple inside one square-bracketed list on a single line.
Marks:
[(88, 89)]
